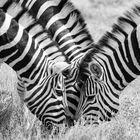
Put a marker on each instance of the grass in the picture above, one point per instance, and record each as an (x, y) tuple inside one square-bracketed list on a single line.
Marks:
[(17, 125)]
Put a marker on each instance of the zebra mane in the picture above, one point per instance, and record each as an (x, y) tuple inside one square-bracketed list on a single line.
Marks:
[(80, 28), (130, 18), (124, 26)]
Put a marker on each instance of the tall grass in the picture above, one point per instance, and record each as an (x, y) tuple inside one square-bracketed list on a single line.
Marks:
[(15, 124)]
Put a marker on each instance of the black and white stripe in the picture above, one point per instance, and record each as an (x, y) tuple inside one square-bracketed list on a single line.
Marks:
[(64, 23), (67, 27), (58, 20), (34, 28), (45, 92), (108, 69)]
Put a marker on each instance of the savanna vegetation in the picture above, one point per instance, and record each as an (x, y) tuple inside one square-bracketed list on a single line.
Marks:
[(19, 124)]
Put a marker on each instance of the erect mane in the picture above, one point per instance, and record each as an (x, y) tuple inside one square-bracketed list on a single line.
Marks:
[(123, 27), (129, 18)]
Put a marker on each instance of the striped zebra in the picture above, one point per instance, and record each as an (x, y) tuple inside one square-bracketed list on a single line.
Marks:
[(41, 37), (67, 27), (76, 32), (64, 23), (34, 28), (108, 69), (45, 93)]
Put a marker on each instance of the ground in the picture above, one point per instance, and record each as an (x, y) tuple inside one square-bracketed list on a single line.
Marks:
[(99, 16)]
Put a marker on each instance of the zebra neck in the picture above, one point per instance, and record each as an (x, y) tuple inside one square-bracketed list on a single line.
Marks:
[(33, 27), (64, 23), (122, 60), (17, 48)]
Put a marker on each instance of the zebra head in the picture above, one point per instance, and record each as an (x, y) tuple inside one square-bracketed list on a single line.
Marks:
[(95, 93), (108, 69), (48, 101)]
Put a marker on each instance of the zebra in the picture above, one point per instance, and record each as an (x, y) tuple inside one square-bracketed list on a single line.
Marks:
[(41, 37), (75, 35), (67, 27), (107, 69), (45, 94)]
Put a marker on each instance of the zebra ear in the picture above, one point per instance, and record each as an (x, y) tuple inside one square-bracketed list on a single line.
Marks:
[(96, 70)]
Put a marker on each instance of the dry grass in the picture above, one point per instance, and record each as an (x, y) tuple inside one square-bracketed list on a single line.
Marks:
[(99, 15)]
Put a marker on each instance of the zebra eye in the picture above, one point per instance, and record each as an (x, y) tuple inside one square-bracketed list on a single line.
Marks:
[(96, 70)]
